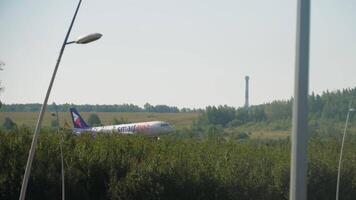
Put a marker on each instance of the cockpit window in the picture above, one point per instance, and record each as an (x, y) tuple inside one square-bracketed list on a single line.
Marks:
[(164, 125)]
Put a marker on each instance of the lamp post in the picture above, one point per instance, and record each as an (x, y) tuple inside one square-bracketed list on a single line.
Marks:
[(298, 172), (81, 40), (341, 150)]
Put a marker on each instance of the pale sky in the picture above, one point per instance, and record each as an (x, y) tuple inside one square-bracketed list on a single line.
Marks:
[(187, 53)]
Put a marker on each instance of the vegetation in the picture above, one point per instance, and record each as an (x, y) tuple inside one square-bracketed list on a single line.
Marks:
[(330, 106), (160, 108), (54, 123), (94, 120), (8, 124), (175, 167)]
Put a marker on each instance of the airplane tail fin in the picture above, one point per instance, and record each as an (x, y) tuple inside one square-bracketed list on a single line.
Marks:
[(78, 121)]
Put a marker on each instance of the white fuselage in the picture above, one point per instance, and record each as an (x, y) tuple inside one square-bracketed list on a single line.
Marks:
[(147, 128)]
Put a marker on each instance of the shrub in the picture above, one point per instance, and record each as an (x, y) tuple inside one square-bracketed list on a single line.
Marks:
[(94, 120), (133, 167), (8, 123)]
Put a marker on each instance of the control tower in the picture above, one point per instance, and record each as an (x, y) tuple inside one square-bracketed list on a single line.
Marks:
[(246, 91)]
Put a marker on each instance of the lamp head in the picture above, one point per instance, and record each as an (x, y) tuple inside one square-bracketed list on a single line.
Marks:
[(88, 38)]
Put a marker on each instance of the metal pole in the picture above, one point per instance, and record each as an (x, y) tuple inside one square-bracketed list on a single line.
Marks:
[(298, 186), (43, 108), (246, 91), (341, 150)]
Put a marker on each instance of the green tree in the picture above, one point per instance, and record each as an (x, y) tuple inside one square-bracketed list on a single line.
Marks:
[(278, 110), (8, 123), (257, 114), (242, 116), (220, 115), (94, 120), (148, 107)]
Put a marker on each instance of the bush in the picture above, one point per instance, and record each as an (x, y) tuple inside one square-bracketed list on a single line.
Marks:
[(242, 136), (8, 123), (134, 167), (94, 120), (220, 115)]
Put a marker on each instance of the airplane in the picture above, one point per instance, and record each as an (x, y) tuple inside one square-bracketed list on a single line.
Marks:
[(152, 128)]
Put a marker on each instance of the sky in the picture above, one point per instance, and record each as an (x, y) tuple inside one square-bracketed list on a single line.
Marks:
[(186, 53)]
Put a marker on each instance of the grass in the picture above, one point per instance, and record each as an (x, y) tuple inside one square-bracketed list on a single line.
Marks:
[(179, 120), (267, 134)]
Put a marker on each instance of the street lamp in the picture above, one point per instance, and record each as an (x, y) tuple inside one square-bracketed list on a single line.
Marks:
[(341, 150), (84, 40)]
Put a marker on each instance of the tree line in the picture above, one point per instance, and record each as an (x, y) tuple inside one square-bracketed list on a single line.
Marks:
[(327, 106)]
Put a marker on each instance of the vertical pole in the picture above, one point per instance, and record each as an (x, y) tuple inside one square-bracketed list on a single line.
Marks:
[(341, 151), (298, 187), (246, 91), (43, 108)]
